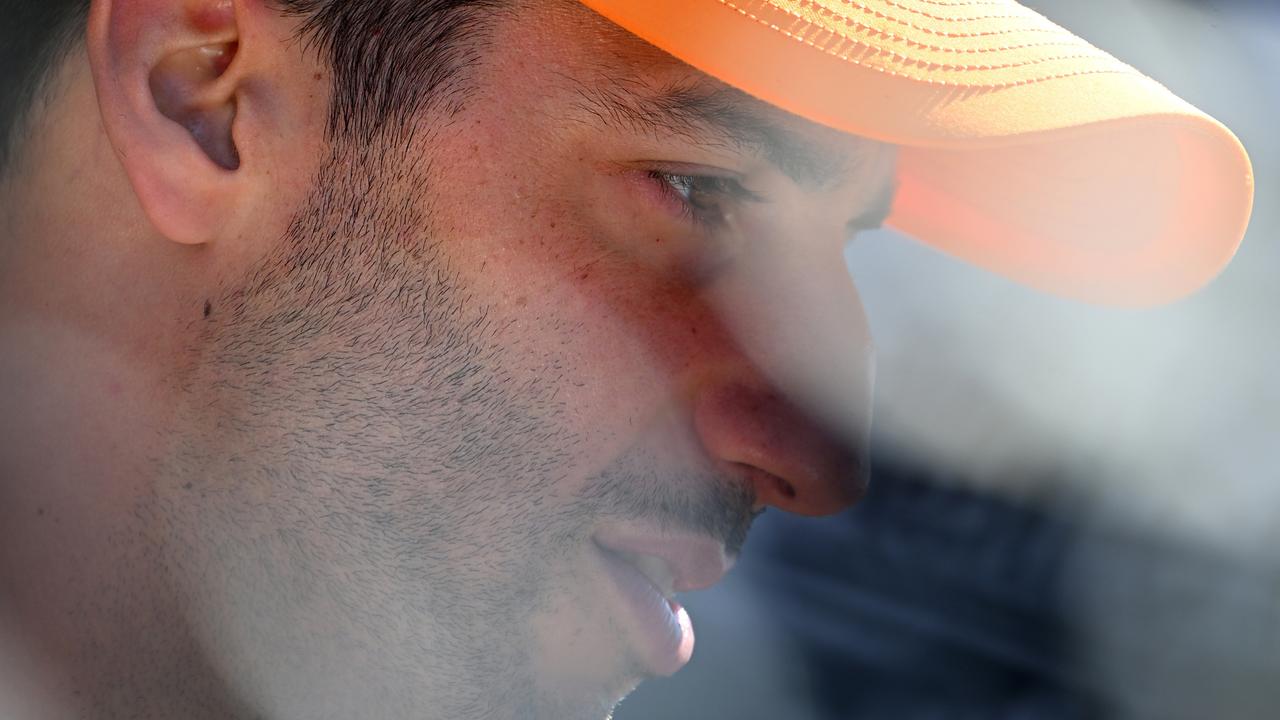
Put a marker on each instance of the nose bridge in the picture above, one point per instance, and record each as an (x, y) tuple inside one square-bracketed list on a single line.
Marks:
[(796, 420)]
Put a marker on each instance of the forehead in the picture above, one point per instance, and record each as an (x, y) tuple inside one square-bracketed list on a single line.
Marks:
[(623, 81)]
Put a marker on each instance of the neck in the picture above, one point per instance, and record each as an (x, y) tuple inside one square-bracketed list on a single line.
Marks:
[(86, 616)]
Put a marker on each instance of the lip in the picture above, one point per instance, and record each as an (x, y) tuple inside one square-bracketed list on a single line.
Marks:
[(696, 562), (660, 628), (641, 562)]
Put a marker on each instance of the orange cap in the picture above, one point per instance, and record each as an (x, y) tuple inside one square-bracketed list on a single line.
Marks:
[(1024, 149)]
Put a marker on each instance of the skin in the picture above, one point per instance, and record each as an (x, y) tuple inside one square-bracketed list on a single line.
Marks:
[(308, 429)]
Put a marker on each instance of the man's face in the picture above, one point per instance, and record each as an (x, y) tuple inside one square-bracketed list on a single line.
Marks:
[(565, 314)]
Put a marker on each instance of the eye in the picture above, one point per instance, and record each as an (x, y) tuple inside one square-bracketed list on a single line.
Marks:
[(705, 200)]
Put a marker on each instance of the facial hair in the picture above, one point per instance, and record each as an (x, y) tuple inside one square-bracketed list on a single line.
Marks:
[(359, 515)]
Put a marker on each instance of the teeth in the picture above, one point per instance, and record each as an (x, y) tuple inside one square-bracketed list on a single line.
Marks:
[(657, 571)]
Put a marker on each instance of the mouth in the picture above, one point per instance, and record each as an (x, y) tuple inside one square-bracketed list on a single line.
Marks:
[(647, 569)]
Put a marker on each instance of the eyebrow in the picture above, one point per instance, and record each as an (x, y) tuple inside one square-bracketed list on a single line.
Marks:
[(713, 115)]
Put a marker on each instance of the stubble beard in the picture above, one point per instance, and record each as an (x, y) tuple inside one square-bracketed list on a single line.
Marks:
[(363, 525), (359, 504)]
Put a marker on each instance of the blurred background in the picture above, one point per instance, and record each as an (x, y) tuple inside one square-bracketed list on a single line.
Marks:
[(1075, 510)]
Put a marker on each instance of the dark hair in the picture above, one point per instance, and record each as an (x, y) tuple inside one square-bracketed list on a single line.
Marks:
[(390, 57), (35, 34)]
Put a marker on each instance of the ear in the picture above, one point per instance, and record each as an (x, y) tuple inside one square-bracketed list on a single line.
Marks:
[(173, 79)]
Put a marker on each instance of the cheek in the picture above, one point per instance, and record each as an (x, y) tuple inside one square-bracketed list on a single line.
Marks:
[(628, 342), (581, 295)]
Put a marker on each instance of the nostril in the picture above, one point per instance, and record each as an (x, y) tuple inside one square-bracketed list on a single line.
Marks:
[(769, 488), (785, 489), (790, 458)]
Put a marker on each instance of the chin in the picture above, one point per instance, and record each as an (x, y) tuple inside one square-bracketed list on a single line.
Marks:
[(579, 706), (598, 710)]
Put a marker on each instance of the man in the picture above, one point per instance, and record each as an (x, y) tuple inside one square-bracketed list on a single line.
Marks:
[(402, 358)]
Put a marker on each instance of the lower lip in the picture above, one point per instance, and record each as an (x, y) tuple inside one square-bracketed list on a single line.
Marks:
[(665, 633)]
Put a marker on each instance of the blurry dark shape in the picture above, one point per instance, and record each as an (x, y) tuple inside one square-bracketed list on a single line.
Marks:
[(930, 600), (926, 601), (1172, 631)]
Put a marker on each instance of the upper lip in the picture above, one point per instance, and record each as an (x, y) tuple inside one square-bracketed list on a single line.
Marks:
[(694, 562)]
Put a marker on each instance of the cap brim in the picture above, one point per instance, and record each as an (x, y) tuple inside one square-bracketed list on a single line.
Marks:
[(1024, 149)]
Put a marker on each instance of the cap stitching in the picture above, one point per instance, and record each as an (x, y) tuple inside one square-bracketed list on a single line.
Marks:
[(1094, 55), (1116, 69), (950, 3), (931, 16), (1057, 30), (850, 22)]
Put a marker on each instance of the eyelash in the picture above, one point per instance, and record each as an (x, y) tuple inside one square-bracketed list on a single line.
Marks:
[(716, 186)]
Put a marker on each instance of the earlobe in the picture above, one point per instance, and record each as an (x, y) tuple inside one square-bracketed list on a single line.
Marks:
[(168, 82)]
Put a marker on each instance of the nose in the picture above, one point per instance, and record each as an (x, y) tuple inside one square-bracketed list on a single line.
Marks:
[(794, 418), (793, 460)]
